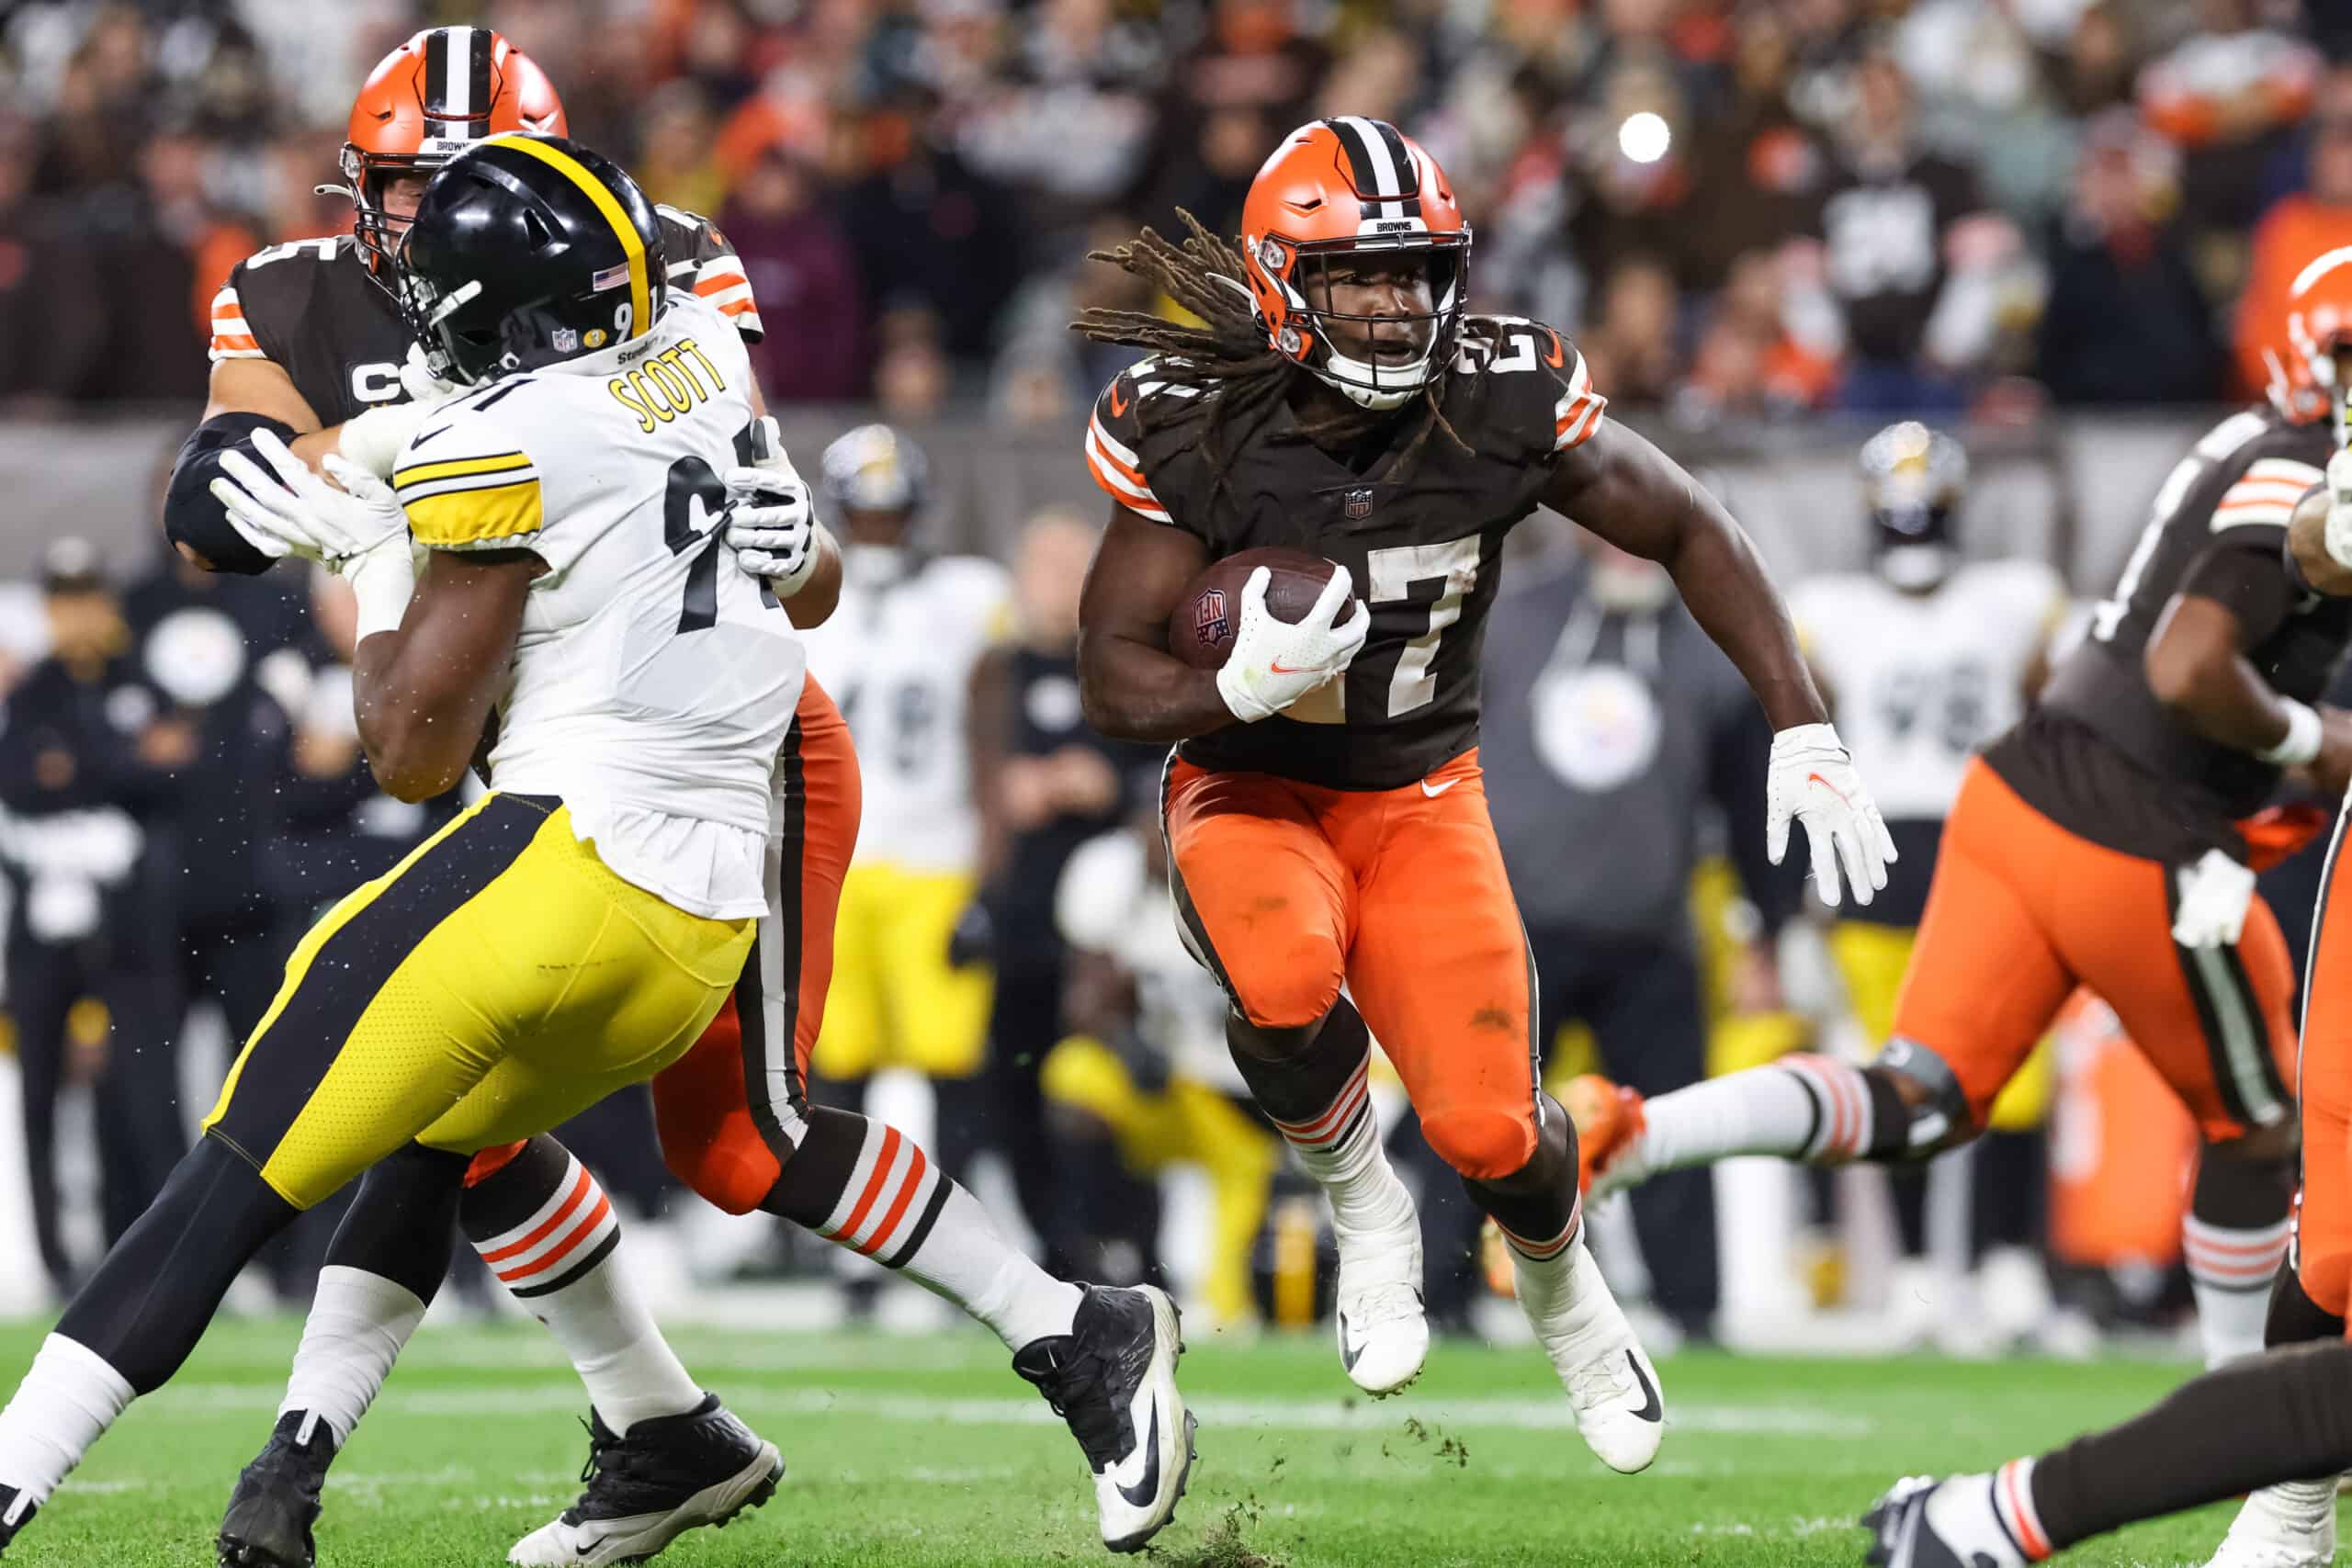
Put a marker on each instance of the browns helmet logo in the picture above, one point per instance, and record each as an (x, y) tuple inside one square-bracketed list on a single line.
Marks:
[(1209, 619)]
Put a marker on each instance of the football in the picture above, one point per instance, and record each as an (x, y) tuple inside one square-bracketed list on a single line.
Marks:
[(1201, 626)]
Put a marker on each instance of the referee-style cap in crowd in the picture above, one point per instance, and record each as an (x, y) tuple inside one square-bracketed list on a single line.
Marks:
[(71, 565)]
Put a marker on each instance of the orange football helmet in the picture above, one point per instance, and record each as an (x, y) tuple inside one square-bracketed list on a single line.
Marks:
[(1352, 187), (427, 101), (2305, 374)]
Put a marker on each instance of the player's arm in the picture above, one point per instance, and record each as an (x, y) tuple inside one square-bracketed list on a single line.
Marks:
[(2234, 597), (423, 690), (1622, 487), (1132, 687), (772, 525)]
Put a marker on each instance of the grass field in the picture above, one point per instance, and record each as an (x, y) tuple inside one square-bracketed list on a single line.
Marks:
[(927, 1452)]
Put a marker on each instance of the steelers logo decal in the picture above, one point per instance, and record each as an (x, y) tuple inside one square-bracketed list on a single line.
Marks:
[(1597, 728), (594, 337)]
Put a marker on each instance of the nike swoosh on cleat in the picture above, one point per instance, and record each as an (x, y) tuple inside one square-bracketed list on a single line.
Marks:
[(1348, 1353), (1653, 1411), (1142, 1493)]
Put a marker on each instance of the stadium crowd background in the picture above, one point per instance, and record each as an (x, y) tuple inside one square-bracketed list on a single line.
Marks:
[(1797, 218)]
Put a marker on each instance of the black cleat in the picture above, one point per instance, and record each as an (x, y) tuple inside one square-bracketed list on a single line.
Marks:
[(1902, 1536), (1113, 1378), (667, 1476), (16, 1513), (277, 1500)]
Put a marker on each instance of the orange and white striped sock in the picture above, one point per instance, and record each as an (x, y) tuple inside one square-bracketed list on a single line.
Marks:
[(870, 1187), (544, 1227)]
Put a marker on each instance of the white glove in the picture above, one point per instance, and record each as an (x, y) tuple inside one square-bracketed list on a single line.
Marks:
[(771, 521), (2215, 894), (297, 512), (2338, 537), (1275, 663), (1813, 778), (375, 437)]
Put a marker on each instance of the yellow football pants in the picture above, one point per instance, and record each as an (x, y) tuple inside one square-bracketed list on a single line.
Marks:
[(895, 1000), (499, 980), (1186, 1123)]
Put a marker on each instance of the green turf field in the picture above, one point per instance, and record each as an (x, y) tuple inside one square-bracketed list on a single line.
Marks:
[(927, 1450)]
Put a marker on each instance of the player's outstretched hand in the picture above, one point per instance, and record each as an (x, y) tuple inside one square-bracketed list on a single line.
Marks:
[(1274, 662), (1812, 778), (771, 521), (292, 511)]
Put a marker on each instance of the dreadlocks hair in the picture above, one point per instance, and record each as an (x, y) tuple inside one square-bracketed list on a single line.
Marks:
[(1228, 358)]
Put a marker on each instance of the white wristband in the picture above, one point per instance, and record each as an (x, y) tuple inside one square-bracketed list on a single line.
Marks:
[(2301, 743), (382, 578)]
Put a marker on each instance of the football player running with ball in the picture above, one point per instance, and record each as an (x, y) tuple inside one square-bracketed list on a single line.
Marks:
[(1325, 812)]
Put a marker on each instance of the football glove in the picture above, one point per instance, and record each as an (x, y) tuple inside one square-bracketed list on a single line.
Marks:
[(294, 512), (2338, 537), (375, 437), (1812, 778), (1274, 662), (2215, 894), (772, 522)]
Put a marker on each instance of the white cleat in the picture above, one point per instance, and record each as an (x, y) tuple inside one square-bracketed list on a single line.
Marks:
[(1384, 1327), (1113, 1378), (2287, 1526), (1611, 1385)]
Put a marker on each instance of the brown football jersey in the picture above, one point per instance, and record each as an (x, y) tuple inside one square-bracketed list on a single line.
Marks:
[(1422, 538)]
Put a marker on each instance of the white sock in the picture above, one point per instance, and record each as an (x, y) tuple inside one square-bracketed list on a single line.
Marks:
[(1809, 1108), (69, 1397), (357, 1324), (967, 1260), (1342, 1150), (603, 1325), (2230, 1273), (1551, 1289), (1990, 1519)]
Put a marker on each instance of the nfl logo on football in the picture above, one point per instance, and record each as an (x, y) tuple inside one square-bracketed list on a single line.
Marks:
[(1209, 618), (1356, 505)]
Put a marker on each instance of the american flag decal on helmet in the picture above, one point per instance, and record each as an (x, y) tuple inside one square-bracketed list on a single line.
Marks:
[(1209, 619), (610, 277)]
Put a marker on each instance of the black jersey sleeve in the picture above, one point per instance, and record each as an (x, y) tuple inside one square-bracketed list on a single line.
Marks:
[(703, 262), (2241, 572), (257, 314), (1534, 390), (1115, 440)]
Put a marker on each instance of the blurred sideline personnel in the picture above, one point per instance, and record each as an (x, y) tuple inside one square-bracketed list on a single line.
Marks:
[(527, 256), (2109, 841), (1045, 784), (1616, 736), (2280, 1422), (903, 653), (1145, 1067), (727, 1112), (86, 771), (1325, 813), (1924, 659)]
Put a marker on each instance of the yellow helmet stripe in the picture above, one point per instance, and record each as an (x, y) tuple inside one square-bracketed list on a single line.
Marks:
[(570, 168)]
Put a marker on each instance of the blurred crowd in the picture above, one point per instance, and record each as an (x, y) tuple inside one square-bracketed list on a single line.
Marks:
[(1740, 207)]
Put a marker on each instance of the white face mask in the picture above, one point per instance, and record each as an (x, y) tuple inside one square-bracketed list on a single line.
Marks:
[(873, 566)]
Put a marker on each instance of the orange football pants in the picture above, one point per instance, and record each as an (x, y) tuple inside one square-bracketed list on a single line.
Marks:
[(2322, 1254), (2021, 911), (714, 1137), (1286, 890)]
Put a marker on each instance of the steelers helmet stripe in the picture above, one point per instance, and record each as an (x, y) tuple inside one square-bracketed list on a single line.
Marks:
[(632, 243)]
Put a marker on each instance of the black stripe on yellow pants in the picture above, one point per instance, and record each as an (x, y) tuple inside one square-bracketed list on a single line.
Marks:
[(346, 959)]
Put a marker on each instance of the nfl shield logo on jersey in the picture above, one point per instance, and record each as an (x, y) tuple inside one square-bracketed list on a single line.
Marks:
[(1209, 618), (1356, 505)]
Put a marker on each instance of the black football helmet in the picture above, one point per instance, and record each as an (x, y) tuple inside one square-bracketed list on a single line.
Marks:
[(527, 251), (1912, 479)]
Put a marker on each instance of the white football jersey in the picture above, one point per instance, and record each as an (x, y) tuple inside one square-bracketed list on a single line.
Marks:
[(1922, 681), (654, 682), (898, 656)]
